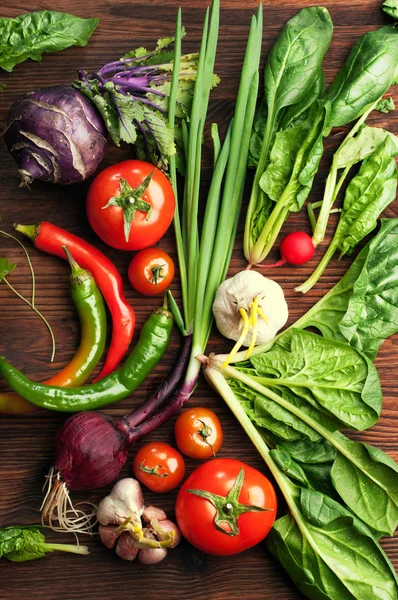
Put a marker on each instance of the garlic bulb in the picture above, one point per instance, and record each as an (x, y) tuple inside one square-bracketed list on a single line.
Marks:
[(259, 298), (125, 501)]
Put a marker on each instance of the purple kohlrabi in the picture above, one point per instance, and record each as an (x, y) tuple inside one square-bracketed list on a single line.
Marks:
[(55, 134)]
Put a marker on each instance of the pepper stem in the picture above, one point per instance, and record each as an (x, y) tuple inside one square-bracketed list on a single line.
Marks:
[(31, 231), (78, 275)]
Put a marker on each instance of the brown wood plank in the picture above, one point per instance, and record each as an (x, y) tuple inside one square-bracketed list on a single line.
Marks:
[(26, 442)]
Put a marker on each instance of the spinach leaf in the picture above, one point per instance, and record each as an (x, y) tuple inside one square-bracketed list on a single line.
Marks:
[(367, 195), (328, 552), (367, 480), (390, 7), (363, 145), (327, 313), (292, 73), (19, 544), (31, 34), (365, 76), (326, 374), (371, 314), (385, 105)]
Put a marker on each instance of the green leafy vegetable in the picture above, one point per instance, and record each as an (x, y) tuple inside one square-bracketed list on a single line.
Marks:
[(294, 157), (292, 73), (386, 105), (364, 477), (6, 267), (367, 195), (390, 7), (371, 314), (31, 34), (325, 373), (20, 544), (327, 551)]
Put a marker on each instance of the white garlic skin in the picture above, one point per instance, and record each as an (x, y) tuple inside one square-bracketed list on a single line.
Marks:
[(239, 292), (125, 500)]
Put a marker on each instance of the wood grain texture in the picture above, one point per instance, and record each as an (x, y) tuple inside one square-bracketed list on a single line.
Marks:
[(26, 443)]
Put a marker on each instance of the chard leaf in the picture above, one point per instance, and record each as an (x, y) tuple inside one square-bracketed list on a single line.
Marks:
[(325, 373), (365, 76), (304, 451), (371, 314), (367, 195), (31, 34), (386, 105), (328, 552), (390, 7), (6, 267), (363, 145), (367, 480)]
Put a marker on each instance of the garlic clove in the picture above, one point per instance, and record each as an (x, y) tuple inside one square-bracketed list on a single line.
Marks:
[(151, 556), (166, 526), (125, 548), (108, 535), (153, 512)]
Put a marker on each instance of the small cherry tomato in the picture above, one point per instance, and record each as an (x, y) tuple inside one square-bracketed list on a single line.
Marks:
[(151, 271), (159, 466), (225, 507), (198, 433), (130, 205)]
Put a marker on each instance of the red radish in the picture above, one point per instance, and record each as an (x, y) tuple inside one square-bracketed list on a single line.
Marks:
[(296, 248)]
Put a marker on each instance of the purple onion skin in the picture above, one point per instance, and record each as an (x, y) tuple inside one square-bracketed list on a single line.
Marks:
[(89, 451), (56, 135)]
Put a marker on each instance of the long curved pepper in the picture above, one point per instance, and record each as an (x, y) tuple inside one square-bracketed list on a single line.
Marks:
[(92, 316), (51, 239)]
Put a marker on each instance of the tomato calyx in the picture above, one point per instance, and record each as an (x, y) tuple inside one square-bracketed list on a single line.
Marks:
[(130, 200), (157, 274), (228, 507), (152, 471), (204, 433)]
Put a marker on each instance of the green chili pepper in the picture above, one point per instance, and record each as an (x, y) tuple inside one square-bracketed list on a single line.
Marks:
[(92, 316), (151, 346)]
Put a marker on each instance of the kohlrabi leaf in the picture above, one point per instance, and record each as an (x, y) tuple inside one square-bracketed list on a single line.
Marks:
[(367, 195), (390, 7), (324, 373), (371, 314), (329, 554), (31, 34), (365, 76), (5, 267)]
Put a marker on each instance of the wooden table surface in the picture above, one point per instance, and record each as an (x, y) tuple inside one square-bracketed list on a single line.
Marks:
[(26, 443)]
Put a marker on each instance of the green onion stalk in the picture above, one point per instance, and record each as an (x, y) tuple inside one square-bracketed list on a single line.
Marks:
[(205, 255)]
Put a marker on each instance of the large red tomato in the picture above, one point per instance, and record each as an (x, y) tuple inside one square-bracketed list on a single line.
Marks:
[(225, 507), (130, 205)]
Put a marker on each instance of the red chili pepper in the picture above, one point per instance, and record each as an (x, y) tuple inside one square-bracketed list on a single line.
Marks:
[(51, 239)]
